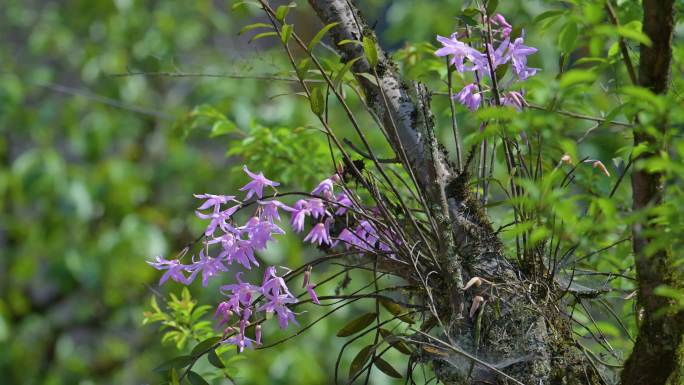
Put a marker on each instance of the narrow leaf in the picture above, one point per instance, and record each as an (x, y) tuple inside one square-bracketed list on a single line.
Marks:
[(357, 325), (396, 310), (174, 363), (567, 38), (204, 345), (196, 379), (286, 33), (317, 100), (215, 360), (283, 10), (262, 35), (320, 35), (371, 50), (173, 375), (386, 368), (491, 6), (254, 26), (340, 75), (394, 341), (360, 359)]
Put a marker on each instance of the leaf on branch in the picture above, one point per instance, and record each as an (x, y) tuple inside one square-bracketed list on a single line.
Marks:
[(567, 38), (196, 379), (283, 10), (262, 35), (360, 359), (396, 310), (386, 368), (215, 360), (371, 50), (491, 6), (174, 363), (286, 33), (394, 341), (204, 345), (254, 26), (317, 100), (348, 41), (576, 76), (320, 35), (357, 325), (340, 76)]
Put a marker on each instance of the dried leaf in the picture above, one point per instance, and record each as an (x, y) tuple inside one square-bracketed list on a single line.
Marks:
[(475, 281), (477, 300)]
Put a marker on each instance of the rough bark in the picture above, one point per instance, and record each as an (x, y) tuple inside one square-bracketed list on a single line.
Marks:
[(658, 353), (527, 338)]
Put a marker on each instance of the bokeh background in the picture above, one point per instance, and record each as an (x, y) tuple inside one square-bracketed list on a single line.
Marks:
[(98, 165)]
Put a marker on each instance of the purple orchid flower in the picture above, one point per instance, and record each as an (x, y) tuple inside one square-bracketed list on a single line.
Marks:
[(518, 53), (469, 97), (319, 234), (256, 186), (343, 203), (214, 201), (299, 213), (460, 52), (174, 270), (270, 209), (208, 266)]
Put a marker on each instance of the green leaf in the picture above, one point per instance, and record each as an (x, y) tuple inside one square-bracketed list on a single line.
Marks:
[(501, 71), (243, 3), (317, 100), (283, 10), (262, 35), (173, 377), (548, 14), (491, 6), (222, 127), (286, 33), (371, 51), (386, 368), (576, 76), (174, 363), (303, 68), (567, 38), (204, 345), (396, 310), (196, 379), (360, 359), (340, 75), (357, 325), (635, 35), (348, 41), (470, 12), (320, 35), (254, 26), (215, 360)]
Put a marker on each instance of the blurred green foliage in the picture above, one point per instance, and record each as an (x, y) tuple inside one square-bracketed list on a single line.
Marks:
[(97, 171)]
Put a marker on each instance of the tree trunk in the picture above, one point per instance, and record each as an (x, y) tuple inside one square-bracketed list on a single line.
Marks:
[(659, 351), (523, 334)]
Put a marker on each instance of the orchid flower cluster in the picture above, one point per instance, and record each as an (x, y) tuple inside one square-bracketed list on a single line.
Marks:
[(231, 244), (465, 58)]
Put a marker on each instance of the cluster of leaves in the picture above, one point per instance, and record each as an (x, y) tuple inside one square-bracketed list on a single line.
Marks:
[(182, 318)]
